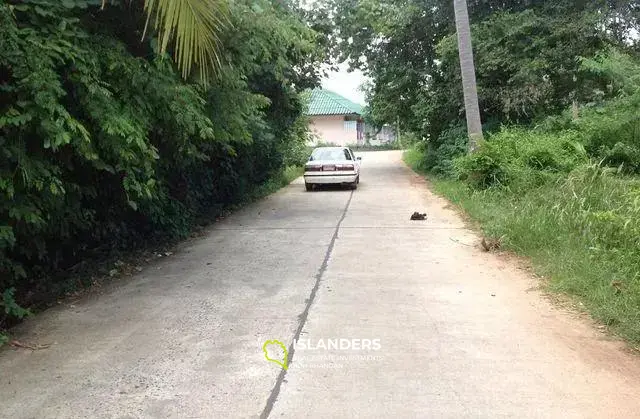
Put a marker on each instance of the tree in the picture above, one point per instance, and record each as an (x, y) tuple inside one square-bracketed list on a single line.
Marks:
[(525, 57), (467, 68)]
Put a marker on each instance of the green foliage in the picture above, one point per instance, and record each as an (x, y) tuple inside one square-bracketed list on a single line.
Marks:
[(196, 26), (519, 158), (607, 132), (279, 180), (407, 139), (440, 154), (297, 154), (105, 147), (527, 61), (617, 72), (10, 307), (530, 58), (414, 158), (612, 133)]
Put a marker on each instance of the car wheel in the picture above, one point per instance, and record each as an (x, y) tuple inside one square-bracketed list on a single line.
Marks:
[(308, 186), (354, 185), (358, 179)]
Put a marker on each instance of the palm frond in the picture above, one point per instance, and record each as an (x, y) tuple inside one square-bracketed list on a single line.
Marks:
[(195, 25)]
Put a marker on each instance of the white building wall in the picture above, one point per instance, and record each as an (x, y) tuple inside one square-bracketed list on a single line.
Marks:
[(334, 129)]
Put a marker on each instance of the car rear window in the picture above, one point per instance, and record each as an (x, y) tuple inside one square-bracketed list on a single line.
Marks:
[(330, 154)]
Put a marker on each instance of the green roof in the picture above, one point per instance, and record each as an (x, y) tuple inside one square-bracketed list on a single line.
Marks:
[(325, 102)]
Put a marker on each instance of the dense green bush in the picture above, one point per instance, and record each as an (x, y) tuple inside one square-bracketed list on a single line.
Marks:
[(517, 157), (607, 132), (104, 146), (440, 154), (608, 126), (612, 133)]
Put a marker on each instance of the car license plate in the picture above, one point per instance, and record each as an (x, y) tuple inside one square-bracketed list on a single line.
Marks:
[(328, 168)]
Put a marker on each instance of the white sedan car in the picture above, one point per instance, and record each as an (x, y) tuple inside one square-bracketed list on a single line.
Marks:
[(332, 165)]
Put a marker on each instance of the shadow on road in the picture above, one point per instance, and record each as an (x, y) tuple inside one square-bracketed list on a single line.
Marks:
[(326, 188)]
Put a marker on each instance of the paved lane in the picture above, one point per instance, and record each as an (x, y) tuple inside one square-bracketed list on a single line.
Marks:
[(462, 333)]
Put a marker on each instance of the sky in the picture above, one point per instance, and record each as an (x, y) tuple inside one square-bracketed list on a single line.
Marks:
[(342, 82), (346, 84)]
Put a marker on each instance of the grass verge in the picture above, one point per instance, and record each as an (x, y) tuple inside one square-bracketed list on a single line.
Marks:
[(580, 231)]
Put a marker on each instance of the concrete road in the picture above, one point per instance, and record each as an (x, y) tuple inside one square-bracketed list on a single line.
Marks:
[(435, 327)]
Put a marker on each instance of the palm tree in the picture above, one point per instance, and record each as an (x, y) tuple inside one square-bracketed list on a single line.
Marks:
[(195, 26), (467, 67)]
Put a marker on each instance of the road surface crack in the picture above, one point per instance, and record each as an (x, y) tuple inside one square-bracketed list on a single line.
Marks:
[(302, 318)]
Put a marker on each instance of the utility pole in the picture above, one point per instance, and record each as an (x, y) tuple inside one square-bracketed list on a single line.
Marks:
[(467, 68)]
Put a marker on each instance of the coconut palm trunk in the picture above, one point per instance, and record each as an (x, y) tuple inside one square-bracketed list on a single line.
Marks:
[(467, 67)]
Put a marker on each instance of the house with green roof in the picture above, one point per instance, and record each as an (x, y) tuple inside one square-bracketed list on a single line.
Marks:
[(335, 119)]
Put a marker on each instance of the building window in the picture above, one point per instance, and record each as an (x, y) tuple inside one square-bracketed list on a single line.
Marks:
[(350, 126)]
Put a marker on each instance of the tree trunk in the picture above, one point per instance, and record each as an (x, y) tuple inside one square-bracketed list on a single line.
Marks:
[(467, 67)]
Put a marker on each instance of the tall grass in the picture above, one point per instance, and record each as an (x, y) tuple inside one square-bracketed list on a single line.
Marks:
[(414, 158)]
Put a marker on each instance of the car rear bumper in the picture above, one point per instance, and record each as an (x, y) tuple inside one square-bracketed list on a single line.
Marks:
[(330, 179)]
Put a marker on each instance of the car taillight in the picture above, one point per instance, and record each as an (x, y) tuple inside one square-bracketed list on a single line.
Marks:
[(344, 167), (313, 168)]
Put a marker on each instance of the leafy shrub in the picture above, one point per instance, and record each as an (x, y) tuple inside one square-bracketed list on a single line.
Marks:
[(407, 139), (610, 128), (612, 133), (297, 154), (414, 157), (517, 157), (9, 305), (440, 154), (485, 168)]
